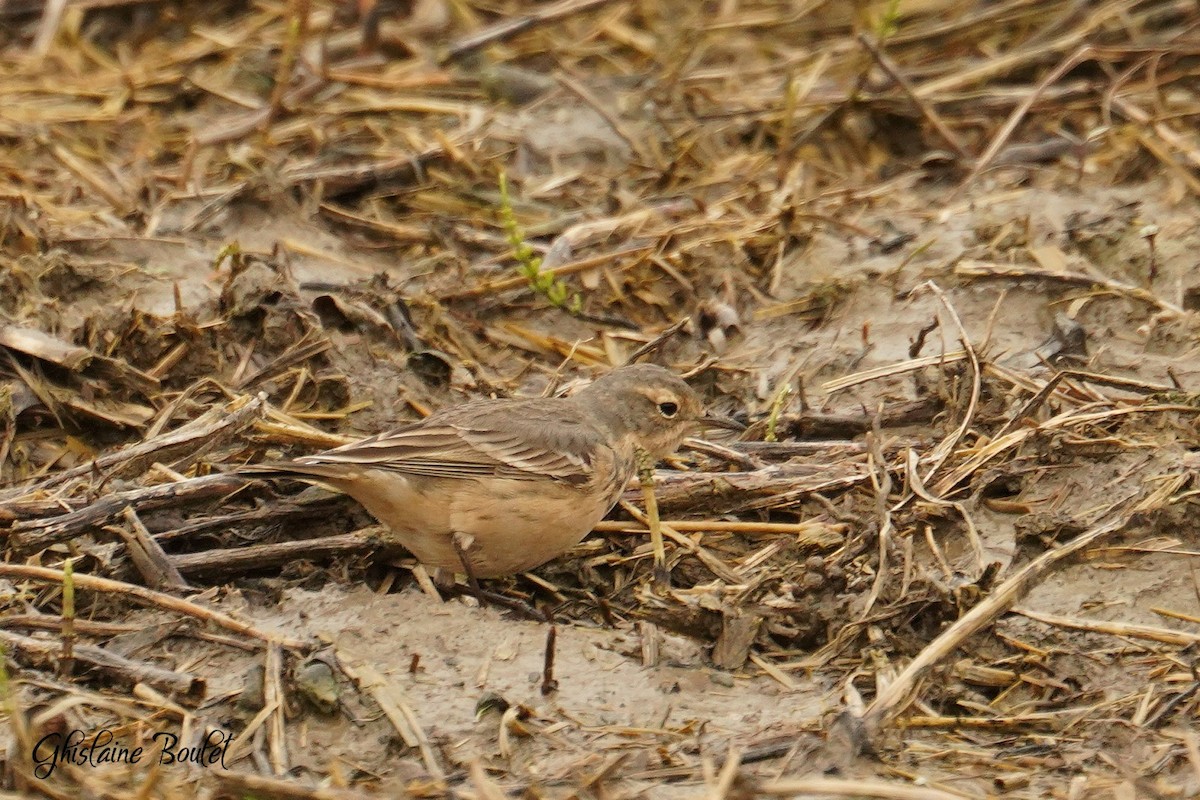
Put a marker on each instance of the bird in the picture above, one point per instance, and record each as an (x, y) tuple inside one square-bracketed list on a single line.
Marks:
[(494, 487)]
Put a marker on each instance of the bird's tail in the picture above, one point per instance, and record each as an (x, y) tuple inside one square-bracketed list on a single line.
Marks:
[(292, 469)]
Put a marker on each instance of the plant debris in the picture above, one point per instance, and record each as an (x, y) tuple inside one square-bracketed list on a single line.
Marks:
[(945, 559)]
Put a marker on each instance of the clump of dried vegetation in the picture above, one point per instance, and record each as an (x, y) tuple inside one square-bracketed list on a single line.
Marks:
[(231, 231)]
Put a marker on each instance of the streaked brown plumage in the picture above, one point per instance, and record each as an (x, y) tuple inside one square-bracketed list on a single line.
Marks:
[(518, 482)]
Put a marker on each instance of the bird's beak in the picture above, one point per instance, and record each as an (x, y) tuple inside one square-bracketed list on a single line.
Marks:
[(718, 421)]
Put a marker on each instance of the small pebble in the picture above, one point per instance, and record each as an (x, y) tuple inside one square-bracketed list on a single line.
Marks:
[(721, 679), (811, 582)]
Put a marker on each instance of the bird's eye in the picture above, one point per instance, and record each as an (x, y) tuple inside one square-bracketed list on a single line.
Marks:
[(668, 409)]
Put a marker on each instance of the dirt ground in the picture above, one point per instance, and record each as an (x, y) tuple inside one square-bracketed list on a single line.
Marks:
[(764, 209)]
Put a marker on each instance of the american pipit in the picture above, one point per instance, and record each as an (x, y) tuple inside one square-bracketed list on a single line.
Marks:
[(509, 484)]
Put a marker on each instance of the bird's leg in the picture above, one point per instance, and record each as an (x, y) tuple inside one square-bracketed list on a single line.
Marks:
[(662, 578), (461, 542)]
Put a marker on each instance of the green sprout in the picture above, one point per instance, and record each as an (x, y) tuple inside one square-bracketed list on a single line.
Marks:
[(777, 403), (889, 23), (529, 264)]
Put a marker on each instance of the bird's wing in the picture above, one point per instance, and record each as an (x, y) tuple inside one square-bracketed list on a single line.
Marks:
[(497, 439)]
